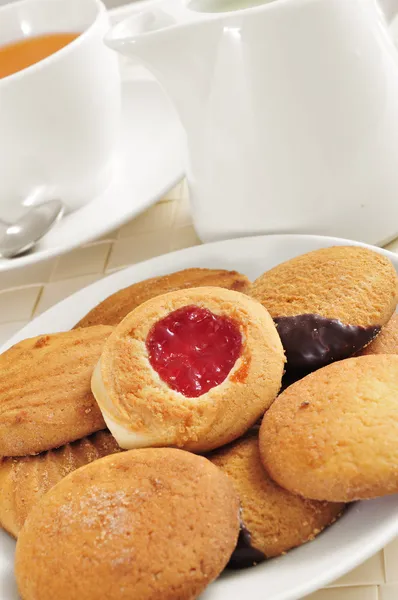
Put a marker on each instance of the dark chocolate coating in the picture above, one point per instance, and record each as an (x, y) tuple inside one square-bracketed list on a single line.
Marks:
[(312, 341), (245, 555)]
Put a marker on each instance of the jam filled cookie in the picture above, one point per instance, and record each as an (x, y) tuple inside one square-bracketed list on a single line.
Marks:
[(23, 481), (273, 520), (328, 304), (45, 394), (149, 524), (113, 309), (387, 340), (333, 435), (193, 369)]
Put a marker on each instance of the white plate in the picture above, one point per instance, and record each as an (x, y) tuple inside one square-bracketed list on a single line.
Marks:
[(363, 530), (148, 164)]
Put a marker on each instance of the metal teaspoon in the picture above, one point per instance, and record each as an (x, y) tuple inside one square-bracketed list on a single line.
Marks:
[(19, 237)]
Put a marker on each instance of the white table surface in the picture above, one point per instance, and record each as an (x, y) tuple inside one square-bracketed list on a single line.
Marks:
[(165, 227)]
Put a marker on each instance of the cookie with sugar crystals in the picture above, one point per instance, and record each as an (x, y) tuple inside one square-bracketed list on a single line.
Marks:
[(24, 480), (193, 369), (328, 304), (147, 524), (387, 340), (114, 308), (45, 394), (272, 519), (333, 435)]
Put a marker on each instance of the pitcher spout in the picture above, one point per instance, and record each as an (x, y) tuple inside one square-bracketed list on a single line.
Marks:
[(167, 40)]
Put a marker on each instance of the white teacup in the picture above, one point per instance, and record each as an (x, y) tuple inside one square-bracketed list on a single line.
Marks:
[(59, 117)]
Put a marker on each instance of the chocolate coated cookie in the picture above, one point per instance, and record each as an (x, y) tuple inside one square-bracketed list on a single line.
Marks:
[(273, 519), (328, 304)]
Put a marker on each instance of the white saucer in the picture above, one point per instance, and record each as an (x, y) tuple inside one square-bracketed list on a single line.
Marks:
[(148, 165), (364, 528)]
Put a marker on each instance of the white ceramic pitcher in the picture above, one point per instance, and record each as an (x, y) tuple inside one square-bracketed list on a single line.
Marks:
[(290, 109)]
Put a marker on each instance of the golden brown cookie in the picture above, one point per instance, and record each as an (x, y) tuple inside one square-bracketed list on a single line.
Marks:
[(273, 519), (387, 340), (329, 303), (147, 524), (194, 368), (23, 481), (45, 394), (114, 308), (333, 435)]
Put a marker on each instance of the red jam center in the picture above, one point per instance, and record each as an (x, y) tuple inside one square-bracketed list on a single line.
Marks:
[(193, 350)]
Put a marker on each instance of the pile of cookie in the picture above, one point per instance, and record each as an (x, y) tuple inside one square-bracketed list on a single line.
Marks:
[(151, 446)]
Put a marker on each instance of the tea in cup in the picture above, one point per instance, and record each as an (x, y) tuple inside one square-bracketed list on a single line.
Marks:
[(19, 55), (60, 101)]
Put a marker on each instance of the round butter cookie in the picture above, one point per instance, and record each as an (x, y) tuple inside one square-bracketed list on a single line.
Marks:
[(272, 519), (333, 435), (192, 369), (45, 393), (387, 340), (328, 304), (114, 308), (150, 524), (23, 481)]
